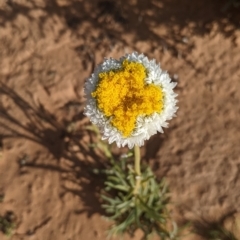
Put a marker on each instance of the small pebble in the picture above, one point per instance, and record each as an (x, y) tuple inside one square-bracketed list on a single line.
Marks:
[(22, 162), (175, 76), (185, 40)]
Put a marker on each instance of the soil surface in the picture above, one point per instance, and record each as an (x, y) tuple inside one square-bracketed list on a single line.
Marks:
[(47, 50)]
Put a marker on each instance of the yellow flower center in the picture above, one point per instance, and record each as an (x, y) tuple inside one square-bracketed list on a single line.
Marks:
[(122, 95)]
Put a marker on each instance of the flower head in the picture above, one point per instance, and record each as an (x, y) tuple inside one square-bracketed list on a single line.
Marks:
[(130, 99)]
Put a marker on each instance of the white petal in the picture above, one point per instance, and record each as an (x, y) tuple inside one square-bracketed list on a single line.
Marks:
[(145, 126)]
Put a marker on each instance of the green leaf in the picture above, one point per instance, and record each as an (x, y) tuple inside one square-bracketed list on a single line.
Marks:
[(149, 210), (108, 199), (121, 178), (124, 225), (113, 179), (131, 180), (138, 213), (124, 204), (118, 187)]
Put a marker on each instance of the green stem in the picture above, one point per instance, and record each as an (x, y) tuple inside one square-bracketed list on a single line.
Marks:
[(137, 159)]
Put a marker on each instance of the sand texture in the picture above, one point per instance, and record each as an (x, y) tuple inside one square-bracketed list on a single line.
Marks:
[(47, 50)]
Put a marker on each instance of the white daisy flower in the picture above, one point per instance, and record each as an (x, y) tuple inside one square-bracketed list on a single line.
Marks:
[(130, 99)]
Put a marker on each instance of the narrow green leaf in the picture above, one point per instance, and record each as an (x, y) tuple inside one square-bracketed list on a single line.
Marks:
[(124, 225), (108, 199), (124, 205), (113, 179), (149, 210), (118, 187), (121, 178), (131, 180)]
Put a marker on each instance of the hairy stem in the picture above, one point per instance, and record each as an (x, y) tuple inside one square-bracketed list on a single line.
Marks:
[(137, 159)]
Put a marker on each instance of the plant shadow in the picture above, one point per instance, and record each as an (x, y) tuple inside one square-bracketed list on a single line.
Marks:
[(75, 158), (213, 231)]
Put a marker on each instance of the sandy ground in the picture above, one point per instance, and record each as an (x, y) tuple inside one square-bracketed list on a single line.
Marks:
[(47, 50)]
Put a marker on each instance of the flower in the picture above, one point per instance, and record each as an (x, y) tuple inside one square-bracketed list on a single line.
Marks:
[(130, 99)]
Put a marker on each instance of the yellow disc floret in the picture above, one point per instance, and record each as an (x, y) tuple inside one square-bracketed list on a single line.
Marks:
[(122, 95)]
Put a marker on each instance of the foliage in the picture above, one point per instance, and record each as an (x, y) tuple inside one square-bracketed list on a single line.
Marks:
[(128, 210), (213, 231), (146, 210), (6, 223)]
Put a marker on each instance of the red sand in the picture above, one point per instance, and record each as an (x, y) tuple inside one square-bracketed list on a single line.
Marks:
[(47, 50)]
